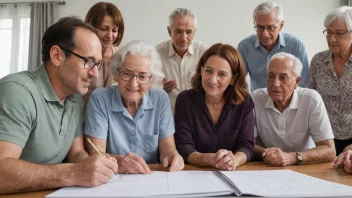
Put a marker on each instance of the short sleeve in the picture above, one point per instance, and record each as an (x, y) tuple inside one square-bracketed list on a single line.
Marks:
[(79, 129), (17, 113), (96, 121), (319, 125), (166, 125)]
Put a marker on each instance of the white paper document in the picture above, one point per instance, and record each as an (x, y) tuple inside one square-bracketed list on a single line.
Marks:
[(273, 183)]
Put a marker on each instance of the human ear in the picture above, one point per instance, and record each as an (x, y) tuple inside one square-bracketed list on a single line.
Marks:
[(55, 55)]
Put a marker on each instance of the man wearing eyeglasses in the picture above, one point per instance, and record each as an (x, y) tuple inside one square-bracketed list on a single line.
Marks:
[(181, 54), (41, 115), (291, 123), (256, 50)]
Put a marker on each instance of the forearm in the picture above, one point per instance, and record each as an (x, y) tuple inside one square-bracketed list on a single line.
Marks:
[(197, 159), (319, 154), (258, 152), (166, 152), (78, 157), (242, 158), (21, 176)]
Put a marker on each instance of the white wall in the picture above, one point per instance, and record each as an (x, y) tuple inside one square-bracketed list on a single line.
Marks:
[(226, 21)]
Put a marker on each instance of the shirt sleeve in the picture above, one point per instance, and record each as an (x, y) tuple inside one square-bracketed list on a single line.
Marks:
[(319, 124), (303, 56), (79, 129), (311, 76), (166, 124), (245, 139), (17, 113), (96, 121), (183, 135), (242, 53)]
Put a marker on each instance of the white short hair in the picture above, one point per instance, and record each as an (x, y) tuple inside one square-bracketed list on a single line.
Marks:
[(269, 7), (183, 12), (139, 48), (296, 66), (341, 15)]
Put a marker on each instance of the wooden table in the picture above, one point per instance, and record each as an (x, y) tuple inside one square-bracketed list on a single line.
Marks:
[(323, 171)]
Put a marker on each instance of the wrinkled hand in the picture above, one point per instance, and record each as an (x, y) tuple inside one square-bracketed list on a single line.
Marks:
[(223, 159), (344, 161), (169, 85), (175, 160), (94, 171), (276, 157), (133, 164)]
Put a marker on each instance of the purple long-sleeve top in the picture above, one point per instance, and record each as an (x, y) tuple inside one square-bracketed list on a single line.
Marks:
[(196, 132)]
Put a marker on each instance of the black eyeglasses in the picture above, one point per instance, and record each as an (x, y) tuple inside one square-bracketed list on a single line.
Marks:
[(269, 28), (90, 62), (127, 76)]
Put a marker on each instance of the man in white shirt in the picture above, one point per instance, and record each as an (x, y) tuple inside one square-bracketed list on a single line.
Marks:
[(291, 124), (180, 55)]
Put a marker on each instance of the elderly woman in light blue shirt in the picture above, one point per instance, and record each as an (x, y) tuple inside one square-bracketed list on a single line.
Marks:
[(132, 121)]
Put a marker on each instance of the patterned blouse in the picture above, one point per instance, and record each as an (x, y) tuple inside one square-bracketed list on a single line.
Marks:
[(336, 92)]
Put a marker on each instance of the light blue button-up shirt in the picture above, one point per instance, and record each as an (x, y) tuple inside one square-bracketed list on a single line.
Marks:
[(256, 57), (108, 119)]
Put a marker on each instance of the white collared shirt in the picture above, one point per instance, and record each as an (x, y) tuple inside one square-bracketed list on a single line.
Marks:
[(180, 69), (298, 127)]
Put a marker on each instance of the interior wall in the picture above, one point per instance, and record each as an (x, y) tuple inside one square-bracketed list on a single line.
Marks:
[(226, 21)]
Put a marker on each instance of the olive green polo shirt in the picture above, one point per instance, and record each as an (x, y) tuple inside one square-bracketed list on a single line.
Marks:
[(32, 117)]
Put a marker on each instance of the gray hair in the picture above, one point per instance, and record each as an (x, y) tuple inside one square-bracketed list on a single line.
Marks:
[(269, 7), (139, 48), (296, 66), (183, 12), (341, 15)]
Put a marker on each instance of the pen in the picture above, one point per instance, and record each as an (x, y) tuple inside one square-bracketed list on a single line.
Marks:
[(97, 150)]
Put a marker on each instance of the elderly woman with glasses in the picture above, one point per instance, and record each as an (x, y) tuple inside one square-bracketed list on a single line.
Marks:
[(133, 122), (331, 74), (215, 121)]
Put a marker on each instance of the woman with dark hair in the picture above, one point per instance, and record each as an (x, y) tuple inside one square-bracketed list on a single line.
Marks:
[(214, 121), (108, 21)]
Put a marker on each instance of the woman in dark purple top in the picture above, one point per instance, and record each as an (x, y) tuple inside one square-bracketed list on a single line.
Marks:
[(214, 121)]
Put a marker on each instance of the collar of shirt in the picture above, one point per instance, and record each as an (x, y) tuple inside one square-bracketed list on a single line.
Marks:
[(117, 104), (294, 104), (281, 38), (172, 50), (46, 87), (328, 58)]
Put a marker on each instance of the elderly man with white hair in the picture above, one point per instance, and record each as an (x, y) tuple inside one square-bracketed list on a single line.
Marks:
[(257, 49), (180, 54), (291, 124)]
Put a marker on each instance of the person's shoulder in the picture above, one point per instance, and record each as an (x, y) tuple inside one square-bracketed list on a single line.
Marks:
[(162, 46), (291, 38), (157, 94), (103, 92), (22, 78), (200, 43), (308, 93), (249, 40), (199, 46), (259, 93), (25, 80), (323, 55)]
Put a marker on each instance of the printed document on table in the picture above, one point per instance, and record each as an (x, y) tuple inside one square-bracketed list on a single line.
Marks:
[(285, 183), (188, 183)]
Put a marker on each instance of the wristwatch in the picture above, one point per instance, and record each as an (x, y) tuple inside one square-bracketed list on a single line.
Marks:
[(299, 158)]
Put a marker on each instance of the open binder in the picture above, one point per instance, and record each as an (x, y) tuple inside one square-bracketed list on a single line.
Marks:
[(272, 183)]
